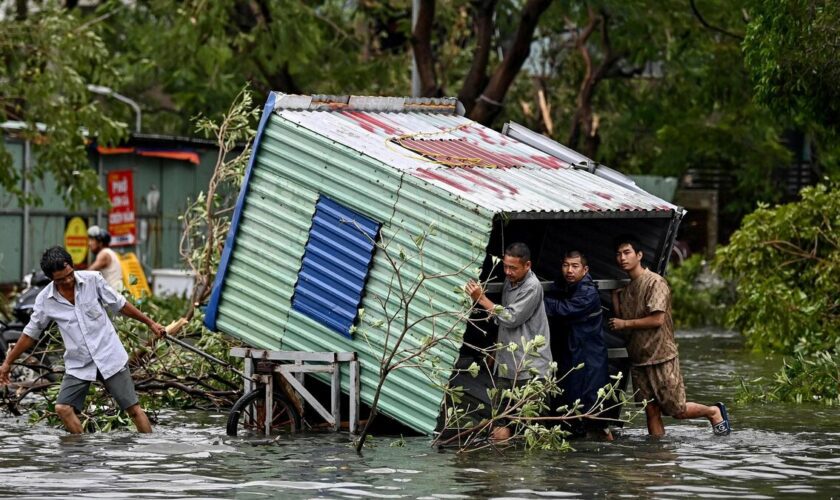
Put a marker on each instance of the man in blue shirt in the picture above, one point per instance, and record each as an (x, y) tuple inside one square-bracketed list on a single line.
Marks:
[(76, 301), (574, 309)]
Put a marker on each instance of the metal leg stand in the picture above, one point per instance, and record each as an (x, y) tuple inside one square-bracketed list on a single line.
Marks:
[(354, 397), (269, 403)]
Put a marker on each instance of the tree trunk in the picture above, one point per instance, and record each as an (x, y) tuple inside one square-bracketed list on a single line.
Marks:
[(584, 126), (374, 410), (421, 43), (21, 9), (488, 105), (477, 77)]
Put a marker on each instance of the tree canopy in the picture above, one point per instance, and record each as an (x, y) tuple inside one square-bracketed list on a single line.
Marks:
[(647, 87), (49, 59), (792, 49)]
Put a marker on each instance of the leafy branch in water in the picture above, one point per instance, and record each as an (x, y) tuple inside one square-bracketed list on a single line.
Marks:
[(165, 376), (525, 408), (399, 318), (802, 378)]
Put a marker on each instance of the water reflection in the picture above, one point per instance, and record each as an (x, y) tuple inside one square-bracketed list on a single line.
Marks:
[(775, 451)]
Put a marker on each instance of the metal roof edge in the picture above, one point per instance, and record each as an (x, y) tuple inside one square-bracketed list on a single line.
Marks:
[(158, 139), (212, 311), (602, 214), (133, 138), (579, 161), (319, 102)]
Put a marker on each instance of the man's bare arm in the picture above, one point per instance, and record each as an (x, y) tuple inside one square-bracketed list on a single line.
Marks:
[(132, 312), (654, 320), (101, 262)]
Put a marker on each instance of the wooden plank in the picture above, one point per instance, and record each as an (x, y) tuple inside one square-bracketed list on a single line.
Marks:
[(249, 372), (354, 397), (299, 369), (269, 404), (326, 357), (306, 394), (299, 374), (335, 396)]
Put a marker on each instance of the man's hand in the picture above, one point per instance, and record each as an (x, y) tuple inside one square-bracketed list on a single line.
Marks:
[(474, 290), (158, 329), (4, 373), (617, 324)]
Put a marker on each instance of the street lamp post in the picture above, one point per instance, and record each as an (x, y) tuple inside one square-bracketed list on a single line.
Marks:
[(108, 91)]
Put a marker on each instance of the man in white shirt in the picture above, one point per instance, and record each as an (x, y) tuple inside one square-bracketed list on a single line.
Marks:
[(76, 301)]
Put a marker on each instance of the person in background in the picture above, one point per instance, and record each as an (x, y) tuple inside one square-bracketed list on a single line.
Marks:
[(573, 307), (106, 260), (76, 301), (642, 309), (521, 320)]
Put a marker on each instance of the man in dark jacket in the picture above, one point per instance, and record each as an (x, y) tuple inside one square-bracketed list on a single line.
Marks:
[(574, 309)]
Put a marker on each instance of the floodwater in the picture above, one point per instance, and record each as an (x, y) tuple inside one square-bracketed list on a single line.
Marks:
[(774, 451)]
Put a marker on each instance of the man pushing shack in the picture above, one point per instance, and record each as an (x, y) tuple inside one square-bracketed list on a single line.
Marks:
[(521, 320), (643, 310), (574, 310), (77, 301)]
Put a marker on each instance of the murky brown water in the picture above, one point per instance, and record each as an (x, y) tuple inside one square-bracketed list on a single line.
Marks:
[(775, 451)]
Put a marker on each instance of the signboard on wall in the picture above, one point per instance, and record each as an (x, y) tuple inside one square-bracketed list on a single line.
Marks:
[(121, 221), (75, 239)]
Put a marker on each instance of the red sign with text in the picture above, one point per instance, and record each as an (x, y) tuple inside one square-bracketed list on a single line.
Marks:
[(121, 222)]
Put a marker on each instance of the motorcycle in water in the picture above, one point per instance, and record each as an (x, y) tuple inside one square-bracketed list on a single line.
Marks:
[(37, 365)]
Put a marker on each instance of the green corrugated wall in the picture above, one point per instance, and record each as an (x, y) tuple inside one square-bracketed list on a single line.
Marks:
[(293, 166)]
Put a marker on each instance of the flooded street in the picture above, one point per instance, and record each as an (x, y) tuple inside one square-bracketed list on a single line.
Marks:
[(774, 451)]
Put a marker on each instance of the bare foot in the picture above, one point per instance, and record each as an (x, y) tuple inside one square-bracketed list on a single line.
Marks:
[(499, 434), (601, 435)]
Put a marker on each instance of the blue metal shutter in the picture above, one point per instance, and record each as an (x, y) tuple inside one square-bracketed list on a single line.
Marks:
[(335, 265)]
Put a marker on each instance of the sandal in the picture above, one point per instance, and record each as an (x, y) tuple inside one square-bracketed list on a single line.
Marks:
[(722, 428)]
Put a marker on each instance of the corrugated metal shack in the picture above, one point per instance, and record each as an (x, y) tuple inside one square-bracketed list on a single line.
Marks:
[(294, 273)]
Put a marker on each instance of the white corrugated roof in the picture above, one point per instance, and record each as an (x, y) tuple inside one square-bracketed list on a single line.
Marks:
[(511, 176)]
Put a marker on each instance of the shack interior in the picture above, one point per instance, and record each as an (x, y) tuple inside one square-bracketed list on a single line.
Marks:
[(549, 240)]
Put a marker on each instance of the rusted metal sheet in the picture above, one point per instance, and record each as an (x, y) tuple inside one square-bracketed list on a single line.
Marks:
[(476, 163)]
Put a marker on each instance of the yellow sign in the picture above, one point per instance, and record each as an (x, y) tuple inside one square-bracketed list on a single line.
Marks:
[(75, 239), (134, 278)]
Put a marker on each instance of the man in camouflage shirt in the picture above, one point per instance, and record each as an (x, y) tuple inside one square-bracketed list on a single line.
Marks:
[(643, 310)]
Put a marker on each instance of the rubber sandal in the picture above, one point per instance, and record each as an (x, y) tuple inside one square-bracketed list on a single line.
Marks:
[(722, 428)]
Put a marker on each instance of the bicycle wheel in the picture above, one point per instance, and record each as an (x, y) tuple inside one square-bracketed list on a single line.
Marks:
[(247, 417)]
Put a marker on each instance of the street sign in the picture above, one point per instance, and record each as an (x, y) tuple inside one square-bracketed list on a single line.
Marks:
[(134, 279), (121, 221), (75, 239)]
